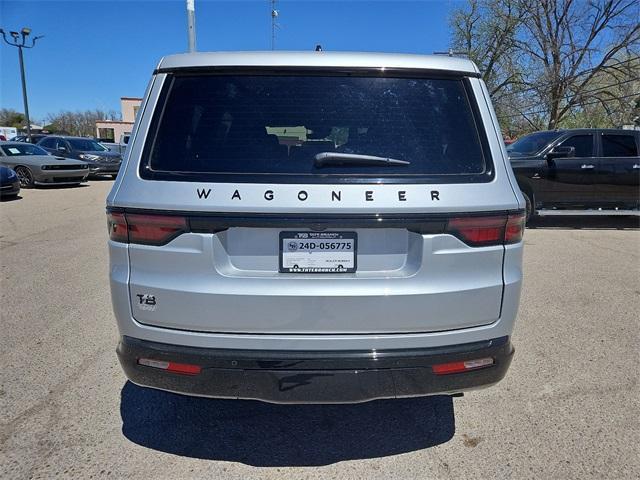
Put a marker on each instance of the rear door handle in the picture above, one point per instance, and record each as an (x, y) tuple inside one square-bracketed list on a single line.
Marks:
[(587, 167)]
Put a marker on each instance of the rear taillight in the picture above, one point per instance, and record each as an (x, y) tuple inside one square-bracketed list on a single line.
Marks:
[(145, 229), (488, 230), (154, 229), (117, 226), (515, 228)]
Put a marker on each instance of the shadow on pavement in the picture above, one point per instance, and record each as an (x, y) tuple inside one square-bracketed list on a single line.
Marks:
[(11, 198), (101, 178), (53, 186), (586, 222), (268, 435)]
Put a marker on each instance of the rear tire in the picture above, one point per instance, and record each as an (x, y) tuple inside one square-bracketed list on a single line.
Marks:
[(25, 176)]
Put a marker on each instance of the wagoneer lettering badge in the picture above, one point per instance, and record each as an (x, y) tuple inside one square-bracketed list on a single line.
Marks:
[(302, 195)]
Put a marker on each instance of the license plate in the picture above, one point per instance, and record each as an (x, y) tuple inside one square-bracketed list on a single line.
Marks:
[(318, 252)]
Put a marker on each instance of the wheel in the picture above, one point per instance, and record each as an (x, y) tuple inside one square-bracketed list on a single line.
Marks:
[(25, 176), (529, 211)]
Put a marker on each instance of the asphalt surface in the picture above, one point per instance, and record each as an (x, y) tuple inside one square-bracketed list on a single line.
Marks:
[(569, 407)]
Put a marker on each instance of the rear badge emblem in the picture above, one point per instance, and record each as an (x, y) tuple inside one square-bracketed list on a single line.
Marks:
[(147, 302)]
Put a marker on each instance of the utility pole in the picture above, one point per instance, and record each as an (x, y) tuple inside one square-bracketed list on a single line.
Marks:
[(20, 41), (274, 25), (191, 25)]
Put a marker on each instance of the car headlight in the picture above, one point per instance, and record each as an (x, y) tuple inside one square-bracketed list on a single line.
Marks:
[(88, 156)]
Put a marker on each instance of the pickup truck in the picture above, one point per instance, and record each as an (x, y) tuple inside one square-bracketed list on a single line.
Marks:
[(592, 170), (119, 147)]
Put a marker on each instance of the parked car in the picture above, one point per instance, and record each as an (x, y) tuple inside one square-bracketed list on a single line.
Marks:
[(9, 182), (578, 169), (101, 161), (35, 166), (383, 262), (119, 147), (35, 138)]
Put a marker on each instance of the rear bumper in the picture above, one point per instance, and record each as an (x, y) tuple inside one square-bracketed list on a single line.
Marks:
[(104, 168), (314, 376)]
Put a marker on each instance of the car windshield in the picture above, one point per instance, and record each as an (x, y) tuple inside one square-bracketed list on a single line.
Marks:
[(86, 145), (533, 143), (16, 149), (277, 125)]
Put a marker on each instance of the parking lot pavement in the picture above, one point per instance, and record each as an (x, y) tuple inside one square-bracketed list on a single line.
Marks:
[(569, 407)]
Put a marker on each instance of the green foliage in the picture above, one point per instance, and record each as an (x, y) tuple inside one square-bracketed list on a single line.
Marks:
[(12, 118), (554, 63)]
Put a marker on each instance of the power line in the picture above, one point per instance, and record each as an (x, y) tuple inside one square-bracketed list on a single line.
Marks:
[(637, 94), (579, 74), (568, 97), (634, 79)]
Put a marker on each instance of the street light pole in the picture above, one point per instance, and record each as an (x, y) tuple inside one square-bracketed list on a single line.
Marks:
[(24, 93), (20, 44)]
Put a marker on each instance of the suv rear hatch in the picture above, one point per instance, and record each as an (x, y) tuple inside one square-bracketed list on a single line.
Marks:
[(253, 189)]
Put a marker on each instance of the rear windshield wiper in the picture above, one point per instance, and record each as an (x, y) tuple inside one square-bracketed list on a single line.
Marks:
[(335, 158)]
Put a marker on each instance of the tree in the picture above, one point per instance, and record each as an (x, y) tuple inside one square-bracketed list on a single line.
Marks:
[(486, 32), (79, 123), (567, 44), (11, 118), (565, 58)]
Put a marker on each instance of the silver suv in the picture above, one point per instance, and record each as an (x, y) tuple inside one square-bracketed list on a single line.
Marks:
[(315, 227)]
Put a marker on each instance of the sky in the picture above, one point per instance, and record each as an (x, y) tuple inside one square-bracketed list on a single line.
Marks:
[(95, 52)]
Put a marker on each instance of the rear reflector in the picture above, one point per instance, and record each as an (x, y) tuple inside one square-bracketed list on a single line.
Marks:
[(183, 368), (457, 367), (145, 229)]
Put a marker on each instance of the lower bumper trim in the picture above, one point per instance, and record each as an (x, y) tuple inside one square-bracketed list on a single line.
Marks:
[(9, 190), (314, 377)]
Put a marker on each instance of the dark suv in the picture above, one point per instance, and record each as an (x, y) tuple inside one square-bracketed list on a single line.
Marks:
[(101, 161), (35, 137), (578, 169)]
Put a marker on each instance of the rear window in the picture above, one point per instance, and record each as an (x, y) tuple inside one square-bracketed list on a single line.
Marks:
[(250, 126)]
